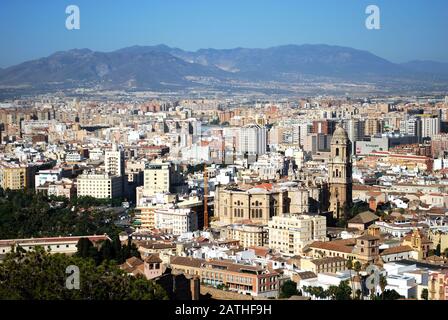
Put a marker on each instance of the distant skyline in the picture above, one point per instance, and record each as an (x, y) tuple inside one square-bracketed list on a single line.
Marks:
[(410, 29)]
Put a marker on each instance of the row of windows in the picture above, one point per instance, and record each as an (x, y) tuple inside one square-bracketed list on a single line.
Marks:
[(238, 213), (32, 247), (256, 213), (271, 287)]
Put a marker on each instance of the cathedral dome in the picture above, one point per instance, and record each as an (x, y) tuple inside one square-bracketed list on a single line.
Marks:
[(339, 135)]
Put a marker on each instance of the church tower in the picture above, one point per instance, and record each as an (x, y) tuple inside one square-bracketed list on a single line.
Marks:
[(340, 173)]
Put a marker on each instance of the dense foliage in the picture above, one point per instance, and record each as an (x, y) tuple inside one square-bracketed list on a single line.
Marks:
[(107, 251), (340, 292), (25, 214), (38, 275), (288, 289)]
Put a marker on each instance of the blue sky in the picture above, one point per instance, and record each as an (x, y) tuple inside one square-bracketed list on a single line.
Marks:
[(410, 29)]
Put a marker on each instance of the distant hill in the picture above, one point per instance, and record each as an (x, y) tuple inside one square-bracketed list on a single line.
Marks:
[(425, 66), (155, 67)]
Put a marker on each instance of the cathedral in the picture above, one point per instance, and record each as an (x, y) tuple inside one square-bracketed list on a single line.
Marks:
[(340, 174)]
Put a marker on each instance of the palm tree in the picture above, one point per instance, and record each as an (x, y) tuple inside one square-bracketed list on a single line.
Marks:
[(357, 267), (349, 266), (383, 284)]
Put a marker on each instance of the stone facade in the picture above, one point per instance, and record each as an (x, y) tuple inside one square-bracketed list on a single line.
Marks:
[(340, 174)]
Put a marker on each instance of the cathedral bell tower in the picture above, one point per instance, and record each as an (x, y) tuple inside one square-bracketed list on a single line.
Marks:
[(340, 173)]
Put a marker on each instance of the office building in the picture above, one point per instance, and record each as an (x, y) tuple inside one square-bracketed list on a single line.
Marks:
[(100, 186), (252, 140)]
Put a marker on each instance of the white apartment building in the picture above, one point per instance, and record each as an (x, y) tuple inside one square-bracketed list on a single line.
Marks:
[(269, 166), (100, 186), (176, 221), (114, 161), (44, 176), (96, 154), (252, 140), (290, 233), (430, 126), (157, 178), (73, 156)]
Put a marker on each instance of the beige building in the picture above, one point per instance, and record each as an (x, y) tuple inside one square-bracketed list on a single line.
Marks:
[(15, 176), (290, 233), (175, 220), (258, 204), (157, 178), (419, 242), (372, 126), (327, 264), (439, 237), (248, 235), (243, 279), (438, 285), (100, 186), (364, 249)]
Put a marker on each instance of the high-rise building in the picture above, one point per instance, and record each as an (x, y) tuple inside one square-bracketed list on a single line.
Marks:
[(340, 174), (114, 161), (413, 127), (324, 126), (430, 126), (290, 233), (305, 129), (372, 126), (355, 131), (252, 140), (157, 177)]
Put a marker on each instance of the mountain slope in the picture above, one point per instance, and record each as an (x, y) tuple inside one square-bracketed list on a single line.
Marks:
[(286, 62), (116, 69), (160, 66)]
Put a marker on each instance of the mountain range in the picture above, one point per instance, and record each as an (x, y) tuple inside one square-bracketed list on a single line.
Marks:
[(160, 67)]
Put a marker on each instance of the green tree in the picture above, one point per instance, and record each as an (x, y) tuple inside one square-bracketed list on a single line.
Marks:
[(349, 266), (340, 292), (107, 251), (391, 295), (383, 284), (48, 272), (438, 250), (358, 294), (84, 248), (288, 289), (425, 294), (24, 214)]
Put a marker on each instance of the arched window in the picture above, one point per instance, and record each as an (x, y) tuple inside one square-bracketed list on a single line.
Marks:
[(337, 152)]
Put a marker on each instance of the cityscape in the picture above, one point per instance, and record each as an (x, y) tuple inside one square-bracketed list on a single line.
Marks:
[(289, 172)]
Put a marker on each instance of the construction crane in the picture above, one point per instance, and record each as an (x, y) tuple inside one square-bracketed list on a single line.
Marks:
[(206, 223)]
